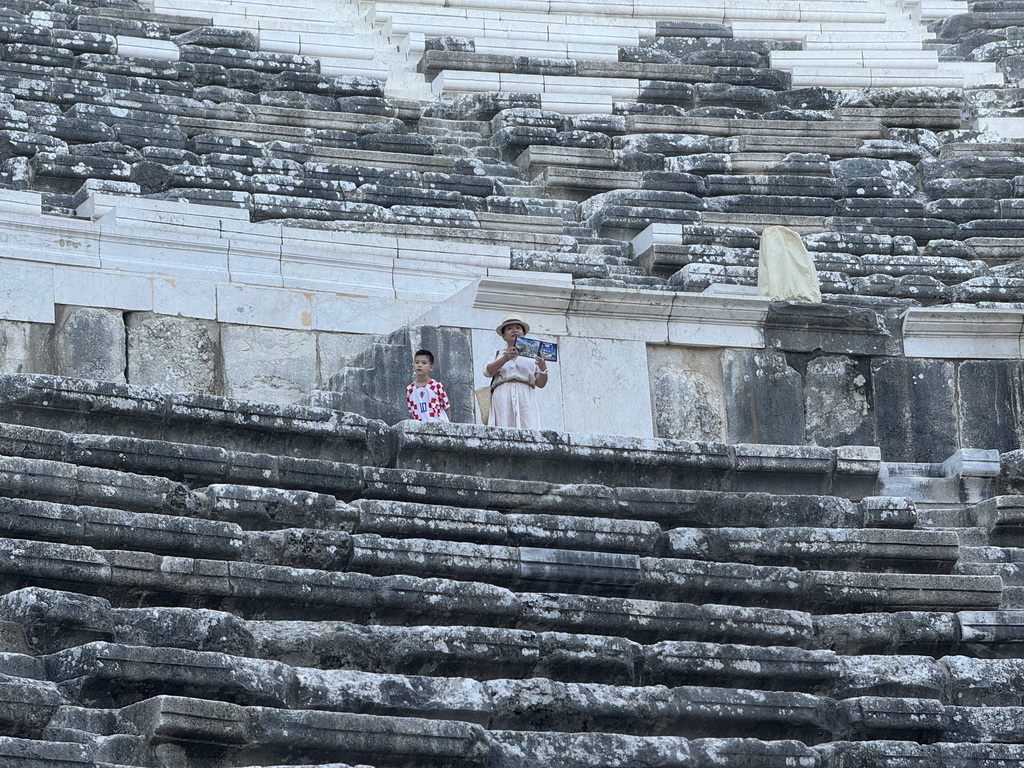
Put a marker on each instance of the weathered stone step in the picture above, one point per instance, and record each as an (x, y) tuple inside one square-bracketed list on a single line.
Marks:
[(435, 531), (884, 753), (525, 568), (240, 733), (49, 621), (281, 592), (83, 405), (672, 508), (525, 455), (565, 571), (104, 528), (101, 674), (716, 126), (180, 461), (44, 753), (406, 520), (838, 549), (106, 675), (38, 470), (59, 481)]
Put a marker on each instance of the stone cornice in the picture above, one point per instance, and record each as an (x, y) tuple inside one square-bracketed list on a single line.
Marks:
[(964, 332)]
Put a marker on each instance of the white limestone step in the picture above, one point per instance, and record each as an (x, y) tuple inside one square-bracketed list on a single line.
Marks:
[(354, 67), (626, 9), (577, 103), (449, 82), (163, 50), (799, 13), (797, 30), (1009, 127), (861, 77), (889, 59), (856, 40), (397, 19), (555, 49), (246, 8), (316, 44), (933, 10)]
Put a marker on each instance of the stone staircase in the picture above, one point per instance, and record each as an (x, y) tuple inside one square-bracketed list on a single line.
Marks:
[(224, 583)]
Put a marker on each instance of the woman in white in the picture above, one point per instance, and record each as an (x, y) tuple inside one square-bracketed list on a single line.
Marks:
[(514, 379)]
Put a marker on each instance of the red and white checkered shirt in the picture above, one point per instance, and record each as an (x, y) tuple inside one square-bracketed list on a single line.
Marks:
[(427, 403)]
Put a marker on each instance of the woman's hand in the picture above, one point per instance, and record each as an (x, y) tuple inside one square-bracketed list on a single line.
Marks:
[(542, 373)]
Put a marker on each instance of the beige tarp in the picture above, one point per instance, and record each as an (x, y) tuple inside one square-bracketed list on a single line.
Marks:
[(785, 271)]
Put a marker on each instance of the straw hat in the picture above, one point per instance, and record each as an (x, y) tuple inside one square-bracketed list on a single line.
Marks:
[(512, 319)]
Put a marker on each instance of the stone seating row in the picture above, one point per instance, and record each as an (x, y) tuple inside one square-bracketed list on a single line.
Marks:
[(101, 674), (446, 63), (104, 673), (922, 290), (516, 566), (152, 46), (273, 591), (607, 24), (665, 259), (193, 728), (810, 68), (166, 725), (37, 399), (356, 533), (304, 30), (53, 621)]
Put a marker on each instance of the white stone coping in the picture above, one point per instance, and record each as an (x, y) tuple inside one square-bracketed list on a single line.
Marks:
[(964, 332), (407, 16), (664, 317), (629, 10), (213, 263), (144, 47), (972, 462), (315, 44)]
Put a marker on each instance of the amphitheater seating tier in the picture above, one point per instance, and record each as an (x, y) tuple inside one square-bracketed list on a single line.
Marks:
[(165, 557)]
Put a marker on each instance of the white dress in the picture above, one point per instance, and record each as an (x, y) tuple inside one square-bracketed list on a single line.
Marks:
[(512, 394)]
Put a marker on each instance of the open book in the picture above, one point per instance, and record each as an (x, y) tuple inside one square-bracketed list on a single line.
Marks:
[(546, 350)]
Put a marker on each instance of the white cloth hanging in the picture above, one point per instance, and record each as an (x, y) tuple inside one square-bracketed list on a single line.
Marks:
[(785, 271)]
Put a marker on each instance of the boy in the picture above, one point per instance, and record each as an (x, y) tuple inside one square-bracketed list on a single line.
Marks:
[(425, 397)]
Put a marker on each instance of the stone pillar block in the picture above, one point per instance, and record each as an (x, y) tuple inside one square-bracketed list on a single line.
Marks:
[(836, 403), (25, 347), (915, 409), (172, 354), (268, 364), (764, 398), (686, 393), (89, 343), (991, 395), (686, 405)]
